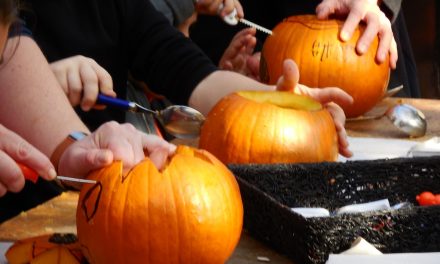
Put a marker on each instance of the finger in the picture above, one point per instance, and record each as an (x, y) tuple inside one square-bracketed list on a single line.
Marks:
[(75, 87), (350, 24), (226, 65), (290, 77), (369, 34), (88, 159), (253, 64), (240, 12), (89, 80), (325, 9), (339, 119), (159, 157), (228, 7), (330, 94), (104, 79), (11, 177), (20, 150), (152, 142), (393, 54), (3, 190)]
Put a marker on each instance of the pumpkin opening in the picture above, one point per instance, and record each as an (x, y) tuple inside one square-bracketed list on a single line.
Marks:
[(282, 99)]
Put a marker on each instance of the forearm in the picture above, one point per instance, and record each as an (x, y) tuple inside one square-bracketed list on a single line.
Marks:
[(32, 103), (219, 84)]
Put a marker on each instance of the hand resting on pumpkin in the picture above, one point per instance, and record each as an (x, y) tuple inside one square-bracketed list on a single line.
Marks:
[(82, 79), (15, 148), (329, 97), (369, 12), (113, 141)]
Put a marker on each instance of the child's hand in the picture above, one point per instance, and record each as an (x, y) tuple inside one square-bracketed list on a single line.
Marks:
[(239, 56), (82, 79), (329, 97)]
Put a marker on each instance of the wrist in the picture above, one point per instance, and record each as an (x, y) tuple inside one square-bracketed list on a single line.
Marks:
[(69, 140)]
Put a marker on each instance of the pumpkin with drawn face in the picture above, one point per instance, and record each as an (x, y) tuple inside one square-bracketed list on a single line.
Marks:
[(189, 212)]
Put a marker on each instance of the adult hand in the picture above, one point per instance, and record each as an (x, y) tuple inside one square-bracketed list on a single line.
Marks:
[(111, 142), (219, 7), (82, 79), (239, 56), (369, 12), (330, 97), (14, 148)]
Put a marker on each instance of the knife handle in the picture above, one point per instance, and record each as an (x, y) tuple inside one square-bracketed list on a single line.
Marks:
[(29, 174), (115, 102)]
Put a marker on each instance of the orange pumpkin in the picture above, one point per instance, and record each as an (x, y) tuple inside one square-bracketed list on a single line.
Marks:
[(325, 61), (269, 127), (47, 249), (190, 212)]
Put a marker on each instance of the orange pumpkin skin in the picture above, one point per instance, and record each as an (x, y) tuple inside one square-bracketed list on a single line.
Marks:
[(241, 130), (49, 249), (325, 61), (190, 212)]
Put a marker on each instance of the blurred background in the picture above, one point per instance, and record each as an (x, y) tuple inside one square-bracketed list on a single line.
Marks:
[(423, 24)]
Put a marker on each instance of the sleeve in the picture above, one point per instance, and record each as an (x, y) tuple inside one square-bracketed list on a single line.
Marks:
[(168, 62), (19, 28), (391, 8)]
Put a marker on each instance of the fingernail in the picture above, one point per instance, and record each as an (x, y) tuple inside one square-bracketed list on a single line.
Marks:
[(344, 35), (361, 48), (52, 174), (102, 157)]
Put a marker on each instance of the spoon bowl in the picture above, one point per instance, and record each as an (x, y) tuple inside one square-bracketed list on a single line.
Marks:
[(408, 119), (181, 121), (178, 120)]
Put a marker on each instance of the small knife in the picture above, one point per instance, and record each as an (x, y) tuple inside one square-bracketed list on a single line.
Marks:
[(232, 19), (30, 174)]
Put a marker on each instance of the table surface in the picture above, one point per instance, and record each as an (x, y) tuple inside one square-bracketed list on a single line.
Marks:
[(58, 214)]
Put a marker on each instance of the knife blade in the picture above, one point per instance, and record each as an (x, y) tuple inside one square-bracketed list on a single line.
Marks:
[(30, 174), (232, 19)]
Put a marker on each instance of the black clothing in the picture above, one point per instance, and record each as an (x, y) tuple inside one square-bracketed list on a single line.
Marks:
[(122, 36), (213, 35)]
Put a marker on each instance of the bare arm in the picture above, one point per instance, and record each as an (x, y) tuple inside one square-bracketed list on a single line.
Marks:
[(27, 83)]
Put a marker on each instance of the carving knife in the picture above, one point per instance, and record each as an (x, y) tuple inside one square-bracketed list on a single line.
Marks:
[(30, 174), (232, 19)]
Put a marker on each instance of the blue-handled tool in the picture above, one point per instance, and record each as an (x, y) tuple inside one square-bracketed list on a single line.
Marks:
[(178, 120), (122, 104)]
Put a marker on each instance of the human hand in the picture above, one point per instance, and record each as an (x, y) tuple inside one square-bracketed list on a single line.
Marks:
[(111, 142), (369, 12), (239, 57), (330, 98), (82, 79), (219, 7), (14, 148)]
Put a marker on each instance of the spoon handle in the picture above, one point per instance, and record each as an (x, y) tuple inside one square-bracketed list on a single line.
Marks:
[(116, 102)]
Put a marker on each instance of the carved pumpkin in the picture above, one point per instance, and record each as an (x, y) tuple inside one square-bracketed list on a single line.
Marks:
[(46, 249), (269, 127), (190, 212), (325, 61)]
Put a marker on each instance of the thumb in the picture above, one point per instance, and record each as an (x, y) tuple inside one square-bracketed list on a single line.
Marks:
[(79, 163), (290, 77)]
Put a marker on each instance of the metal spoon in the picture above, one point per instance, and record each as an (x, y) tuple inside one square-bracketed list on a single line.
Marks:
[(405, 117), (178, 120), (408, 119)]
